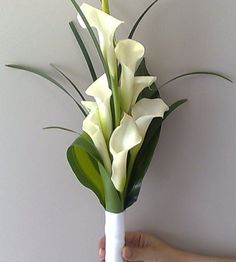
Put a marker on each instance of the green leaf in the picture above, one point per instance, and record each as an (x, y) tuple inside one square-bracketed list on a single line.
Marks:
[(44, 75), (113, 201), (140, 18), (143, 161), (68, 79), (84, 51), (95, 41), (60, 128), (174, 106), (148, 92), (196, 73), (86, 163), (84, 167)]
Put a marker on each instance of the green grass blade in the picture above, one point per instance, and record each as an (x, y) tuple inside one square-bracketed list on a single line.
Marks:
[(174, 106), (44, 75), (140, 18), (196, 73), (84, 51), (68, 79), (95, 41), (60, 128)]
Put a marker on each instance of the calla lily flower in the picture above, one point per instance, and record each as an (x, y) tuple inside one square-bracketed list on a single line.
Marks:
[(124, 137), (106, 26), (145, 110), (102, 94), (128, 53), (141, 82), (92, 126)]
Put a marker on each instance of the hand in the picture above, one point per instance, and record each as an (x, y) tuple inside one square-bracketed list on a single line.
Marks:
[(140, 247)]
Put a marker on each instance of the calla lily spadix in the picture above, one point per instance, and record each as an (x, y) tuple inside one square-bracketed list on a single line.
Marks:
[(128, 53), (124, 137), (102, 94), (92, 126), (106, 26)]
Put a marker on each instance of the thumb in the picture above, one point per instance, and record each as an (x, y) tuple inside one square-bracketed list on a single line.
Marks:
[(137, 254)]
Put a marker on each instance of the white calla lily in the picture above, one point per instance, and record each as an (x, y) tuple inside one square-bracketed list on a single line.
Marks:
[(91, 125), (128, 53), (106, 26), (145, 110), (124, 137), (141, 82), (102, 94)]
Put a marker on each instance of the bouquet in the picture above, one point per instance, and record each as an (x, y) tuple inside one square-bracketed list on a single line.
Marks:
[(122, 121)]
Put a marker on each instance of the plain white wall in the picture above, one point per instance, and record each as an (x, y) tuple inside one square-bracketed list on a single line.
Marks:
[(188, 196)]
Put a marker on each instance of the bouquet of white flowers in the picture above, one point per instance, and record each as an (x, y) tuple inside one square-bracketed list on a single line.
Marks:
[(122, 123)]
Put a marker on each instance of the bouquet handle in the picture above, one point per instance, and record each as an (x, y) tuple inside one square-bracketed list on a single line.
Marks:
[(115, 236)]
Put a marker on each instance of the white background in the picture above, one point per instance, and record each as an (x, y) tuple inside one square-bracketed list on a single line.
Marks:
[(188, 197)]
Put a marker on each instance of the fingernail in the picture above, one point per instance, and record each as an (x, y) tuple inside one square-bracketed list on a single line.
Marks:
[(101, 253)]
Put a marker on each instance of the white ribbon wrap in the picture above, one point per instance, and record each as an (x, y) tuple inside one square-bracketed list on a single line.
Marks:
[(115, 236)]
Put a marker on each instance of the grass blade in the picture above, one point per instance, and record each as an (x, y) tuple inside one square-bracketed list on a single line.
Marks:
[(67, 78), (60, 128), (95, 41), (84, 50), (196, 73), (140, 18), (44, 75)]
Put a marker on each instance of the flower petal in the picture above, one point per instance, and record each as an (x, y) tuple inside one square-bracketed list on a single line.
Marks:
[(124, 137), (141, 82), (106, 26), (91, 125), (145, 110), (128, 53), (102, 94)]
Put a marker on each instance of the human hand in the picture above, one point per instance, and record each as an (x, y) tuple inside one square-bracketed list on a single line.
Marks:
[(140, 246)]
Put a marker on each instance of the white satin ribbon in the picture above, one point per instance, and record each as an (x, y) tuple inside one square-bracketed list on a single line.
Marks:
[(115, 236)]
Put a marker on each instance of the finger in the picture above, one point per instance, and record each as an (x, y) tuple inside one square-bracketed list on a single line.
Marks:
[(101, 253), (139, 254), (102, 242)]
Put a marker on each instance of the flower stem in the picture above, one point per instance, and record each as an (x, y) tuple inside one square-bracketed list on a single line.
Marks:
[(105, 6), (116, 101)]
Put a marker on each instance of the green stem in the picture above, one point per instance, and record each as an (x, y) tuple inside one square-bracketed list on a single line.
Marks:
[(116, 101), (105, 6)]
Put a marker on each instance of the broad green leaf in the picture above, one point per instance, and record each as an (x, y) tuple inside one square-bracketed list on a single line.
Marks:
[(68, 79), (114, 203), (143, 161), (95, 41), (174, 106), (60, 128), (140, 18), (196, 73), (148, 92), (44, 75), (85, 169), (84, 51)]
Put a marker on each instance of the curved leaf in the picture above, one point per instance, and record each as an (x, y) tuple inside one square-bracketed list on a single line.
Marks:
[(140, 18), (84, 51), (60, 128), (196, 73), (44, 75), (84, 168), (68, 79), (142, 161)]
